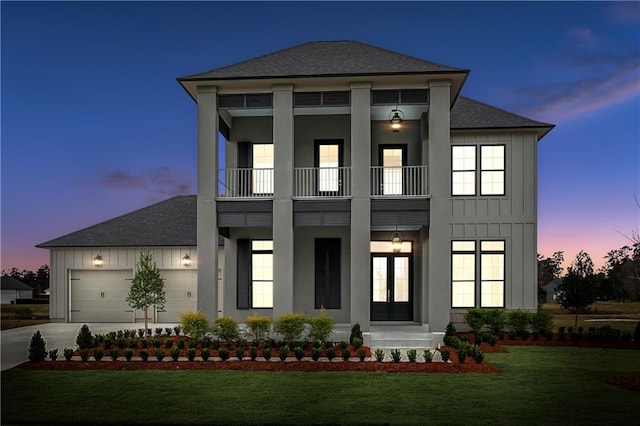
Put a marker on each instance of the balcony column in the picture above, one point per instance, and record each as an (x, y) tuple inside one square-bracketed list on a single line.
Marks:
[(283, 253), (439, 184), (207, 222), (360, 204)]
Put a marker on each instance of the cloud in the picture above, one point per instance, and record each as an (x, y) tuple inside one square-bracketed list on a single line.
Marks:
[(582, 96), (584, 35), (159, 182)]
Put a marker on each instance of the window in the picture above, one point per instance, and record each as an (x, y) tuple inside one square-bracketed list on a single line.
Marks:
[(465, 275), (328, 165), (261, 274), (262, 169), (254, 274), (464, 167)]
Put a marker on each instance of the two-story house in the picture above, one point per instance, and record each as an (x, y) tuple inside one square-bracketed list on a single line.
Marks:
[(352, 178)]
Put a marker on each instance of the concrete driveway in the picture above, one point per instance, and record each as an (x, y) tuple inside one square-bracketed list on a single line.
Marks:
[(14, 343)]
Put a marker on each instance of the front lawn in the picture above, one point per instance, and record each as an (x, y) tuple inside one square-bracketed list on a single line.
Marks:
[(14, 316), (538, 385)]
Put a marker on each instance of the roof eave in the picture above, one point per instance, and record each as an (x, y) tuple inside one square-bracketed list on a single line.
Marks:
[(541, 130)]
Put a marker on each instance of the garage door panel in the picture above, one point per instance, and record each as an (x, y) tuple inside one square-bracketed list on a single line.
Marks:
[(180, 294), (99, 296)]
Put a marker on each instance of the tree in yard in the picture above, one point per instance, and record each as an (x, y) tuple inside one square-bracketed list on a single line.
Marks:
[(549, 269), (147, 286), (577, 290)]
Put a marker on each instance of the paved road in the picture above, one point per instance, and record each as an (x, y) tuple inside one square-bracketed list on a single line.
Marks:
[(14, 343)]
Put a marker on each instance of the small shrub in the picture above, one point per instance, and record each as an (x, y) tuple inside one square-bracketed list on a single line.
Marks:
[(343, 345), (477, 354), (148, 332), (144, 343), (128, 354), (346, 354), (283, 352), (194, 324), (492, 340), (121, 343), (266, 353), (177, 330), (512, 335), (114, 354), (240, 352), (462, 352), (450, 330), (412, 355), (321, 326), (168, 343), (259, 326), (168, 330), (636, 333), (107, 343), (290, 326), (574, 336), (156, 342), (495, 320), (330, 353), (37, 347), (474, 317), (356, 332), (542, 321), (253, 353), (452, 341), (175, 354), (396, 355), (224, 354), (67, 353), (84, 339), (379, 355), (227, 329), (626, 336), (357, 342), (84, 355), (193, 344), (141, 332), (427, 355), (315, 354), (204, 353), (180, 344), (298, 352), (144, 354), (191, 354), (133, 343), (158, 353), (158, 331), (98, 354), (362, 354), (519, 321), (53, 354), (524, 335), (445, 354)]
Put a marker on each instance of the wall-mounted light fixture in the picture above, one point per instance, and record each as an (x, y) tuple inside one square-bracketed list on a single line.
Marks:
[(396, 117), (396, 242), (186, 260), (97, 261)]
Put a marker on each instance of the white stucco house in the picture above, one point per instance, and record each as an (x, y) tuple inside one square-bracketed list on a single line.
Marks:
[(356, 179)]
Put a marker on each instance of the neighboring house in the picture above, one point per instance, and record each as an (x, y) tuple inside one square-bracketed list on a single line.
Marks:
[(13, 289), (356, 179), (551, 289)]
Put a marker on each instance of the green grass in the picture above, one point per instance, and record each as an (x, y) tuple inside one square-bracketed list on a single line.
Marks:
[(14, 316), (538, 385), (37, 310), (599, 310)]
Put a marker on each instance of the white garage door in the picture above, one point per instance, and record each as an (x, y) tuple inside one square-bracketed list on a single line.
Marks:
[(180, 291), (99, 296)]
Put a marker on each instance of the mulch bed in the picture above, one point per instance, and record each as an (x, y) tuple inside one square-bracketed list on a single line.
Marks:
[(469, 366)]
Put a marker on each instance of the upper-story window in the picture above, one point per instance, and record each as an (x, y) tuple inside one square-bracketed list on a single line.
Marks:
[(471, 175)]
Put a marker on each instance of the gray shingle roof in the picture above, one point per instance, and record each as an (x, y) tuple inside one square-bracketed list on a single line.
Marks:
[(10, 283), (471, 114), (325, 58), (168, 223)]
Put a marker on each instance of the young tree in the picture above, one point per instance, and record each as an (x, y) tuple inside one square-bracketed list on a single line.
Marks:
[(577, 290), (147, 286)]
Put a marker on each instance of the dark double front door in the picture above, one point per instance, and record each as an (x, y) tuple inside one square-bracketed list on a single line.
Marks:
[(391, 287)]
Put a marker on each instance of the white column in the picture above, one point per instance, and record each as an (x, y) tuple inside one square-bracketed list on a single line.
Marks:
[(207, 233), (360, 204), (439, 295), (283, 253)]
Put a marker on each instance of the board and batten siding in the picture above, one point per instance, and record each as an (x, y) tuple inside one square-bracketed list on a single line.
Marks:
[(512, 217), (64, 260)]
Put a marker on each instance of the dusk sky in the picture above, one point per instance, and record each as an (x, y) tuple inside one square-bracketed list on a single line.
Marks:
[(94, 124)]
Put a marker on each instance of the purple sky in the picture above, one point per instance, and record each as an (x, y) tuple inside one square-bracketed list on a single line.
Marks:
[(94, 124)]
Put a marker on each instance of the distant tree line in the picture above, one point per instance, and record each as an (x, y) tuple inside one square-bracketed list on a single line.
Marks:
[(39, 279), (618, 279)]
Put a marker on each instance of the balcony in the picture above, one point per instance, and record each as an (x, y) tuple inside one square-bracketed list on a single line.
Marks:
[(324, 182), (399, 182)]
